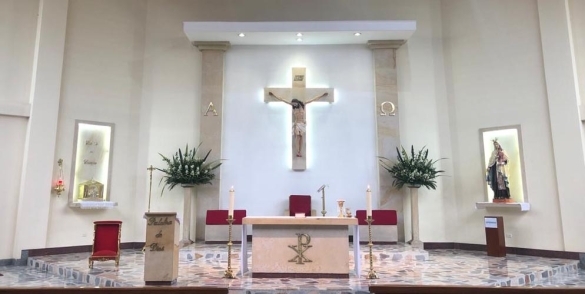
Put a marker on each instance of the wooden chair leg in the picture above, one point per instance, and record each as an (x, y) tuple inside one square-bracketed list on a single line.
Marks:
[(90, 263), (117, 261)]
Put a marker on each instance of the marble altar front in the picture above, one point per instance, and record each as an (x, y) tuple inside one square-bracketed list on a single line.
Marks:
[(300, 246)]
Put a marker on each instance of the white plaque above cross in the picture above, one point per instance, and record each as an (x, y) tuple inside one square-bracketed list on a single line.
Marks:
[(298, 96)]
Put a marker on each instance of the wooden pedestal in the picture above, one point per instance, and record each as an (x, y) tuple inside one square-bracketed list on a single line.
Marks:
[(494, 236), (161, 256)]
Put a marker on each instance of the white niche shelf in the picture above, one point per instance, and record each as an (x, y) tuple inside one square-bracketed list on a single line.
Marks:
[(522, 206), (94, 204)]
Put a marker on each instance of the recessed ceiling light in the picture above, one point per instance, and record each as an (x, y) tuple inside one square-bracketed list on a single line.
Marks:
[(241, 35), (299, 34), (299, 39), (357, 34)]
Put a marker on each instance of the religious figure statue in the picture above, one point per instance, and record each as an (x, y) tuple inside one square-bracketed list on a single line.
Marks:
[(299, 127), (497, 173)]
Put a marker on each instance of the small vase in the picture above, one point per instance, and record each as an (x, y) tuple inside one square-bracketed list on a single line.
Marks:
[(340, 204)]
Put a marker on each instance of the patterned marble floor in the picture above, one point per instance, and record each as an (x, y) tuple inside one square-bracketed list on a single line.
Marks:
[(202, 264)]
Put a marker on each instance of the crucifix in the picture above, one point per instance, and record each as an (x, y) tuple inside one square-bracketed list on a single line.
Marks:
[(297, 98)]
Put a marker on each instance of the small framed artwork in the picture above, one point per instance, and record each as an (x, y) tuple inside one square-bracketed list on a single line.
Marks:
[(92, 163), (503, 164)]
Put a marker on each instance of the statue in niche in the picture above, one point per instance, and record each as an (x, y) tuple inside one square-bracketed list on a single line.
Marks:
[(299, 127), (497, 173)]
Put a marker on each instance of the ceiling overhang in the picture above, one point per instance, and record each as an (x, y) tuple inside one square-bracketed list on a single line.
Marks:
[(285, 33)]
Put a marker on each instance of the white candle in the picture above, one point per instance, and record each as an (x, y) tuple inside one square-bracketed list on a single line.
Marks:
[(369, 201), (231, 208)]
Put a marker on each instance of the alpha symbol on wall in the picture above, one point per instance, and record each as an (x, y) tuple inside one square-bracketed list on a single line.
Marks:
[(211, 108), (300, 248)]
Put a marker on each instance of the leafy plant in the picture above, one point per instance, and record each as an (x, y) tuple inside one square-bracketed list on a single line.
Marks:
[(413, 170), (185, 167)]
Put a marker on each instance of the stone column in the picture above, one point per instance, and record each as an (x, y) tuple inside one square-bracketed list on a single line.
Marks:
[(388, 132), (212, 74), (414, 240)]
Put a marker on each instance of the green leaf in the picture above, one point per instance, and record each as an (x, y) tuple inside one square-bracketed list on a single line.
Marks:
[(186, 168), (414, 169)]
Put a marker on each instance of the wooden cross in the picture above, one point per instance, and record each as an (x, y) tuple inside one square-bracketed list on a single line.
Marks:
[(292, 96)]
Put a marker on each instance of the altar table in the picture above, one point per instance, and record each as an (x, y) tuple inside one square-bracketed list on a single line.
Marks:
[(288, 246)]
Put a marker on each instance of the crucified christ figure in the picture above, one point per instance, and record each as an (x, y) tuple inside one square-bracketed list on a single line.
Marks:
[(299, 127)]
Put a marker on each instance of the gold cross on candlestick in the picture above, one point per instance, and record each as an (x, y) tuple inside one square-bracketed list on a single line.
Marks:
[(151, 168)]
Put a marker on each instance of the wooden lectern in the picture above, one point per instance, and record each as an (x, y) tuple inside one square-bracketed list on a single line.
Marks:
[(161, 256), (494, 236)]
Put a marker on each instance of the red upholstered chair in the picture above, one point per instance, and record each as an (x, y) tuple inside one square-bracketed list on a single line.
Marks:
[(300, 204), (219, 217), (384, 226), (380, 217), (106, 241), (217, 227)]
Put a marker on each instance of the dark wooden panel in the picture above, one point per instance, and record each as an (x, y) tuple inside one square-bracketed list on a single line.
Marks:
[(438, 245), (76, 249), (405, 289), (299, 276), (495, 238), (137, 290)]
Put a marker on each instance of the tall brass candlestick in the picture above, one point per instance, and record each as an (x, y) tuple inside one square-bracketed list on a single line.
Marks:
[(371, 274), (229, 273), (151, 168)]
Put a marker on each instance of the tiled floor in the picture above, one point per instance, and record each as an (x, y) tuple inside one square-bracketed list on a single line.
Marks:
[(202, 264)]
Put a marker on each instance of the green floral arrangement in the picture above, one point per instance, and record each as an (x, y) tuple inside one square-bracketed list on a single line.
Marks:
[(414, 170), (186, 168)]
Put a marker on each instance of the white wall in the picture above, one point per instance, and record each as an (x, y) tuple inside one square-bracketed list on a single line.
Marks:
[(170, 101), (341, 148), (102, 78), (18, 20), (469, 65), (172, 69), (171, 73), (12, 134), (425, 116), (18, 24), (577, 14), (495, 75), (105, 73), (566, 126)]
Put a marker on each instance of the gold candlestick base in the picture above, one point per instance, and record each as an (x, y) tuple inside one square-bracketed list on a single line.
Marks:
[(229, 273), (371, 273)]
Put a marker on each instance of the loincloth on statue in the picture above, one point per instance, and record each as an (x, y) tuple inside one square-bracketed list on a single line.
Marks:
[(299, 129)]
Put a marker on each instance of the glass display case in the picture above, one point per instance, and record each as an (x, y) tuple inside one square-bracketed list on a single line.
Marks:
[(503, 167), (91, 168)]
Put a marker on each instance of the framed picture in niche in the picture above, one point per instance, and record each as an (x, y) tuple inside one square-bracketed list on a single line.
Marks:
[(91, 164), (503, 164)]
